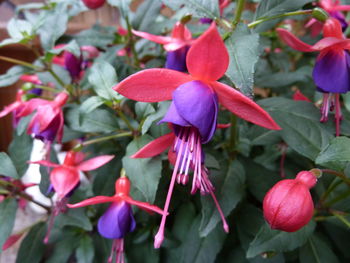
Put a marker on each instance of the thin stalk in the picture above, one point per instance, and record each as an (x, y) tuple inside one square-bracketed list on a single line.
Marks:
[(56, 77), (259, 21), (239, 11), (125, 119), (338, 174), (20, 62), (131, 42), (342, 219), (30, 199), (105, 138), (46, 88)]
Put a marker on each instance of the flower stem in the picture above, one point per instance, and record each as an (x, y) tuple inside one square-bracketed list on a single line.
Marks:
[(338, 174), (56, 77), (20, 62), (125, 119), (101, 139), (341, 218), (239, 11), (131, 42), (264, 19)]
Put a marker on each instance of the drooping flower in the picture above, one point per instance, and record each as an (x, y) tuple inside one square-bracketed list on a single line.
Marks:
[(47, 122), (331, 71), (333, 8), (177, 45), (288, 205), (65, 177), (118, 220), (76, 65), (193, 112)]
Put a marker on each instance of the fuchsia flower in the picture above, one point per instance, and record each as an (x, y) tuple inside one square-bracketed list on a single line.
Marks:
[(65, 177), (118, 220), (331, 71), (333, 8), (76, 65), (47, 122), (193, 111), (288, 205), (16, 107), (177, 45)]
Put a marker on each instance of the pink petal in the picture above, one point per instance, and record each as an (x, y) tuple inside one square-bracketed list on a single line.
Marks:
[(342, 8), (64, 180), (152, 85), (143, 205), (155, 147), (330, 42), (10, 108), (45, 163), (93, 201), (332, 28), (208, 59), (31, 106), (94, 163), (243, 107), (11, 241), (46, 115), (293, 41), (153, 38), (60, 128)]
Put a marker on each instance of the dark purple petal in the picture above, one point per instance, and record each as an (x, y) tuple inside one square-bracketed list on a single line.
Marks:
[(338, 15), (72, 64), (176, 60), (35, 91), (198, 105), (49, 133), (174, 117), (205, 20), (117, 221), (331, 72)]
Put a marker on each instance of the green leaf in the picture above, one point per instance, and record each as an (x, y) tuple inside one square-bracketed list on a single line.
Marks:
[(268, 240), (32, 247), (19, 29), (194, 249), (102, 78), (198, 8), (336, 154), (54, 26), (85, 252), (269, 8), (123, 6), (20, 150), (162, 109), (145, 173), (317, 251), (97, 36), (9, 41), (229, 190), (12, 75), (62, 73), (8, 208), (74, 217), (63, 249), (243, 48), (91, 104), (7, 167), (146, 14), (143, 109), (99, 120), (299, 121)]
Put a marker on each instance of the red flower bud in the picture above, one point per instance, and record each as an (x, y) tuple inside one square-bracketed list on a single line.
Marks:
[(288, 205), (94, 4)]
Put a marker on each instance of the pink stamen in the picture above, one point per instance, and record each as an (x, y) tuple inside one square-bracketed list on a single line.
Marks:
[(338, 114), (325, 107), (158, 239), (223, 219)]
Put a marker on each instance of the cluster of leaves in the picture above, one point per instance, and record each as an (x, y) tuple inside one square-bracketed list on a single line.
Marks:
[(244, 159)]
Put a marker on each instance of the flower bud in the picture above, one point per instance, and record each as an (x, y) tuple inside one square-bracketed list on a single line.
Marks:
[(288, 206)]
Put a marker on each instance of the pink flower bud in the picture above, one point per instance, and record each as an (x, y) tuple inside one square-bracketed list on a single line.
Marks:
[(288, 205)]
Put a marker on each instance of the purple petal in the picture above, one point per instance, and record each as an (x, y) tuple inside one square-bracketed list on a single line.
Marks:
[(176, 60), (338, 15), (174, 117), (205, 20), (36, 91), (117, 221), (198, 105), (49, 133), (72, 64), (331, 74)]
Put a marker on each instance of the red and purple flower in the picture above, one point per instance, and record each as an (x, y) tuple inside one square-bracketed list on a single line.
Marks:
[(177, 45), (118, 220), (331, 72), (193, 112), (47, 122), (288, 205)]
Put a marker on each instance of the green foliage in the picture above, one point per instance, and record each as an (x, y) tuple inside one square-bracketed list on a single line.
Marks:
[(8, 209)]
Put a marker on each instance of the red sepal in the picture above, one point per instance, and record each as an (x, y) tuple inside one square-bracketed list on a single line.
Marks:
[(94, 163), (94, 200), (155, 147), (143, 205)]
